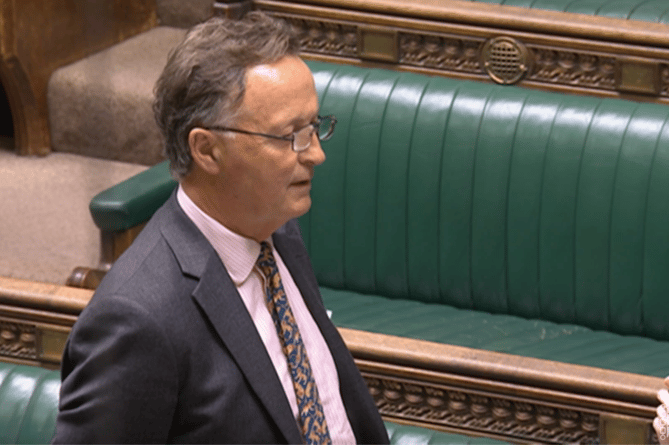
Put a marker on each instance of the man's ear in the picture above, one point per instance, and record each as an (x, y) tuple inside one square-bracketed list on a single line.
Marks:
[(205, 148)]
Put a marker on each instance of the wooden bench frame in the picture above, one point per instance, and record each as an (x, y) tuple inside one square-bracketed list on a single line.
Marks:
[(444, 387), (550, 50)]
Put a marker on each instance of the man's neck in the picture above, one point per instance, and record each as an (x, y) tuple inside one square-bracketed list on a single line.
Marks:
[(231, 219)]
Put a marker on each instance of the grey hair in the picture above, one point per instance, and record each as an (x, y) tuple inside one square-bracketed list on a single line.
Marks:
[(203, 82)]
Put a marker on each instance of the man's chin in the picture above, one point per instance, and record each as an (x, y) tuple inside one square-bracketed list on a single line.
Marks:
[(302, 207)]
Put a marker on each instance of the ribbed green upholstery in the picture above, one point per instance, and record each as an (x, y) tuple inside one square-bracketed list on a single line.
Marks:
[(498, 199), (562, 342), (491, 216), (28, 404), (646, 10)]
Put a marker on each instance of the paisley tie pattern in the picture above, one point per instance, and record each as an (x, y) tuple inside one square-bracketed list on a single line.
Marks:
[(312, 418)]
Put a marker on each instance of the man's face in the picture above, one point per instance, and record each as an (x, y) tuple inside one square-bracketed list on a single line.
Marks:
[(263, 177)]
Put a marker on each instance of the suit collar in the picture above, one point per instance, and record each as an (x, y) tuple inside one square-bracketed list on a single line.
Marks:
[(220, 302), (191, 249), (238, 253)]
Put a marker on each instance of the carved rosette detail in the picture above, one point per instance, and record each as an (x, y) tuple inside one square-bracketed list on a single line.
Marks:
[(324, 37), (18, 340), (572, 68), (446, 53), (491, 415), (664, 79)]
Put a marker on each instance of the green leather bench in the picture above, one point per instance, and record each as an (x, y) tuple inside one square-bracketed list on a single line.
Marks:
[(482, 216), (495, 218), (29, 406)]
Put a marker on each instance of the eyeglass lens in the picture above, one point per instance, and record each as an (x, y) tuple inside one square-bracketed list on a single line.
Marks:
[(325, 128)]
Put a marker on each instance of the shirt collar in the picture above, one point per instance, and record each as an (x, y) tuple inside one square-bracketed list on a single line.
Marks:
[(238, 253)]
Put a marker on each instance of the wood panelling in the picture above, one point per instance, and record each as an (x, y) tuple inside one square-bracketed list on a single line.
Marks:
[(565, 52), (491, 394)]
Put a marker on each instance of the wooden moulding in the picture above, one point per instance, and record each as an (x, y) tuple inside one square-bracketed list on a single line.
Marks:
[(509, 397), (35, 320), (504, 17), (558, 51), (232, 8), (439, 386)]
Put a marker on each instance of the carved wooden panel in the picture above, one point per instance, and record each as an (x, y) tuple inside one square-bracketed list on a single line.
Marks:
[(489, 414), (35, 320), (582, 65), (512, 398), (472, 412), (18, 340)]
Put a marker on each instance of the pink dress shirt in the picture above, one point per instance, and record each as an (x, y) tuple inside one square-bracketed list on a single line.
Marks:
[(239, 255)]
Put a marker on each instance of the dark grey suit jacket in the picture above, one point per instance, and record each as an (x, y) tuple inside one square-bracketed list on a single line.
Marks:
[(166, 351)]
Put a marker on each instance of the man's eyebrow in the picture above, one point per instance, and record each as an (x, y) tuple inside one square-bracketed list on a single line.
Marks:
[(298, 122)]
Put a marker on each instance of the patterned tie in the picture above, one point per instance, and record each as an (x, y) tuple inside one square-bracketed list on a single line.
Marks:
[(312, 418)]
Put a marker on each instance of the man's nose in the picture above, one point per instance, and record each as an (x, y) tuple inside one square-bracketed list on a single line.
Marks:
[(314, 154)]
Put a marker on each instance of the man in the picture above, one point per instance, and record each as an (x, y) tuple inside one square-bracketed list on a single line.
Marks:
[(210, 328)]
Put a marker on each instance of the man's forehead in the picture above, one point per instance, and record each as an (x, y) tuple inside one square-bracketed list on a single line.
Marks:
[(288, 83), (284, 70), (266, 72)]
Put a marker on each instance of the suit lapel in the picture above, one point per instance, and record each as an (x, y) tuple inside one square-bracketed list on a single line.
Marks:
[(219, 300)]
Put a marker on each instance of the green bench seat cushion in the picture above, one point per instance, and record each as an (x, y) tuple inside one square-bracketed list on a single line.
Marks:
[(440, 194), (493, 198), (28, 404), (497, 332), (411, 435), (646, 10)]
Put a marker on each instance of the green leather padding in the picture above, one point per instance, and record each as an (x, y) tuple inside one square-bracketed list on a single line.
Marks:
[(134, 200), (646, 10), (494, 198), (541, 212), (28, 404), (562, 342), (406, 434)]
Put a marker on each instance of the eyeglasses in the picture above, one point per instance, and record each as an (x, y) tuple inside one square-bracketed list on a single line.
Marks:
[(301, 139)]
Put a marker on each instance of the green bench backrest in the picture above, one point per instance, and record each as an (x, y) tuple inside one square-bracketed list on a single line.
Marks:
[(656, 11), (28, 404), (492, 197)]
